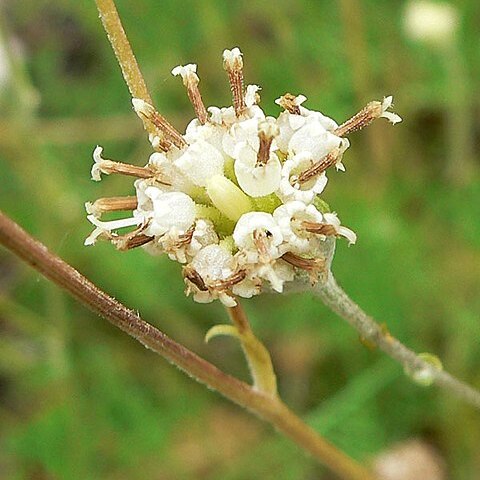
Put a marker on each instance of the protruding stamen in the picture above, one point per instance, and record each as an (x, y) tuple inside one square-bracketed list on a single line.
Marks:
[(267, 131), (320, 228), (318, 167), (107, 167), (146, 111), (190, 80), (331, 227), (367, 115), (194, 277), (313, 266), (160, 142), (260, 241), (111, 204), (291, 103), (131, 240), (229, 282), (233, 64)]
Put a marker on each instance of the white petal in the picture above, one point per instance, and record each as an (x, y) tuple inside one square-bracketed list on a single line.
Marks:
[(200, 162), (231, 56), (249, 222), (305, 192), (97, 157), (170, 210), (185, 70), (103, 227), (290, 214), (241, 133), (257, 181), (390, 116), (213, 263), (313, 138)]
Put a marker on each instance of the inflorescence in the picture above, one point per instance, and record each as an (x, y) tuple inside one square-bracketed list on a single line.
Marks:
[(236, 198)]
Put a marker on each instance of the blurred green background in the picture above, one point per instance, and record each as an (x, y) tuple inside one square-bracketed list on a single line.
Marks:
[(80, 400)]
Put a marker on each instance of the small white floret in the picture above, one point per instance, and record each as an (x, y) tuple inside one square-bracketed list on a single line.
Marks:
[(289, 217), (313, 138), (170, 210), (243, 235), (290, 189), (257, 180)]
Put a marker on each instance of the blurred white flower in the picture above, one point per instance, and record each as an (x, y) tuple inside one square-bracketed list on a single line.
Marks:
[(431, 22)]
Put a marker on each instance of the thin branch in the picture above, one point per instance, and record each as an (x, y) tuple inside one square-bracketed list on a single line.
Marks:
[(123, 51), (335, 298), (264, 406)]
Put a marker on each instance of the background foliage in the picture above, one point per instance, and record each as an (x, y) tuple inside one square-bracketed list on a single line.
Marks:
[(79, 400)]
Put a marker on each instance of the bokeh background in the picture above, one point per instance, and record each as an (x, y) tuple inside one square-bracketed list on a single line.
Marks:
[(80, 400)]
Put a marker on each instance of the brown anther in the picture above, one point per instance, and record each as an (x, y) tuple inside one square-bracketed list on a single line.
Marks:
[(112, 204), (287, 102), (185, 238), (165, 129), (362, 119), (267, 131), (260, 241), (319, 228), (233, 64), (229, 282), (160, 143), (318, 167), (129, 241), (314, 266), (194, 277)]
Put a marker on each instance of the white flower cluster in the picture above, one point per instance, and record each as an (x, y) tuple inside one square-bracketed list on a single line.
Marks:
[(236, 198)]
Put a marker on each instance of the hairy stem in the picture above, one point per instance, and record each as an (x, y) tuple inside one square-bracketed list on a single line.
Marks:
[(124, 53), (268, 407), (335, 298)]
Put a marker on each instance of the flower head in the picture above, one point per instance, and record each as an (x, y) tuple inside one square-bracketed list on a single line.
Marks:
[(236, 198)]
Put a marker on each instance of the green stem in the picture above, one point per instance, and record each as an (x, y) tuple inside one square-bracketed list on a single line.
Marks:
[(124, 53), (257, 355)]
